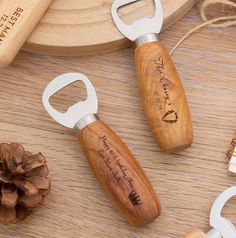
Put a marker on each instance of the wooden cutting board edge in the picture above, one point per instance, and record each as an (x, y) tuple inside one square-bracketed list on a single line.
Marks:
[(118, 44)]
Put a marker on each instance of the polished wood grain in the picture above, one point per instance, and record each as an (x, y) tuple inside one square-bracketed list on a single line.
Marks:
[(85, 27), (18, 18), (196, 234), (163, 97), (119, 174), (187, 182)]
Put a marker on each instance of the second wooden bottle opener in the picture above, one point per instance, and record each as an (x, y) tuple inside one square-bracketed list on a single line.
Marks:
[(115, 167), (162, 93), (221, 227)]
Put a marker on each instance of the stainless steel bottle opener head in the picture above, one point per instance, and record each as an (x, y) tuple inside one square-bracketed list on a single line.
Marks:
[(139, 27), (222, 228), (78, 112)]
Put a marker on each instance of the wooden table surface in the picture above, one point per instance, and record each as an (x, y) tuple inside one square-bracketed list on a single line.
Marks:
[(187, 182)]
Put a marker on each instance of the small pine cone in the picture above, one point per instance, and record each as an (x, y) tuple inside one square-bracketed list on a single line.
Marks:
[(23, 182)]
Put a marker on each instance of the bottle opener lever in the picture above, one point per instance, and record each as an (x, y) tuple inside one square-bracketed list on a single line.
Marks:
[(113, 164), (162, 93), (221, 227)]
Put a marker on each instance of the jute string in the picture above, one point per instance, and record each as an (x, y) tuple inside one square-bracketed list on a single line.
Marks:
[(224, 21)]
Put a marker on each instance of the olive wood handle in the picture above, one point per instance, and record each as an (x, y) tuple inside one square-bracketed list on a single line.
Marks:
[(18, 18), (119, 174), (196, 234), (163, 96)]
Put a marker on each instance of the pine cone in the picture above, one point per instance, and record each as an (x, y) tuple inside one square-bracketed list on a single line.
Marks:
[(23, 182)]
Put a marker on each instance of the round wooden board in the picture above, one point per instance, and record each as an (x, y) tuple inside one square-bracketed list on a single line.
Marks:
[(85, 27)]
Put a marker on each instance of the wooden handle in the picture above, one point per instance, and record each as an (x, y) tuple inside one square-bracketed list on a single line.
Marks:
[(196, 234), (163, 97), (119, 174), (18, 18)]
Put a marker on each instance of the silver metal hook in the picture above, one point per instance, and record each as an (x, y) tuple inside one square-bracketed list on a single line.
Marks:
[(223, 227), (77, 111), (140, 27)]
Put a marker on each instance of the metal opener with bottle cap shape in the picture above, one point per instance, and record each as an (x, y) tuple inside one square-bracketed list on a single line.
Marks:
[(161, 90), (221, 227), (113, 164)]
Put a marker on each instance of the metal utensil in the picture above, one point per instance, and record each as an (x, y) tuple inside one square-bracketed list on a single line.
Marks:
[(113, 164), (221, 227), (162, 93)]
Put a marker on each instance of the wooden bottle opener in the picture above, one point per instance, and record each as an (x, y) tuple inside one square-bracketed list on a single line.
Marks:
[(115, 167), (18, 18), (221, 227), (162, 93)]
